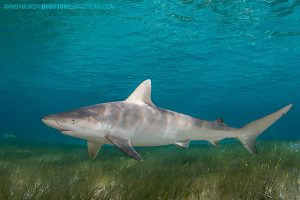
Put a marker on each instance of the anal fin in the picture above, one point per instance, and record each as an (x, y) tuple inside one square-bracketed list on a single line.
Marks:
[(125, 146), (184, 144), (93, 148), (214, 142)]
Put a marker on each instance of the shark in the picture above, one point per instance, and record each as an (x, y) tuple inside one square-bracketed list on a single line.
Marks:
[(136, 121)]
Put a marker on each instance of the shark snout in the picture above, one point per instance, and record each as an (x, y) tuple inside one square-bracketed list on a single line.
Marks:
[(51, 122)]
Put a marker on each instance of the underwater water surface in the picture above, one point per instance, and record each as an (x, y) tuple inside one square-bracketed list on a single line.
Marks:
[(234, 59)]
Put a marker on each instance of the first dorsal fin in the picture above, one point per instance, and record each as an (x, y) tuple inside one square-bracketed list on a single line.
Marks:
[(142, 94)]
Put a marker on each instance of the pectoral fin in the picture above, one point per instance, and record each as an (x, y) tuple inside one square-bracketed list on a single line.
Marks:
[(93, 148), (184, 144), (124, 146)]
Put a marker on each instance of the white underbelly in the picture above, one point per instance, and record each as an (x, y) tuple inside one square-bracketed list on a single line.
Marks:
[(154, 138), (140, 140), (143, 136)]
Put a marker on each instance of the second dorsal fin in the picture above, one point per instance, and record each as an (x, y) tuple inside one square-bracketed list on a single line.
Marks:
[(142, 94), (219, 121)]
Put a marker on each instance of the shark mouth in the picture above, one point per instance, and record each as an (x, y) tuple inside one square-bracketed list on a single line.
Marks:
[(59, 125), (65, 131)]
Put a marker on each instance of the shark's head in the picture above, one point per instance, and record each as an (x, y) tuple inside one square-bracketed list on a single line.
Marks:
[(59, 122), (69, 123)]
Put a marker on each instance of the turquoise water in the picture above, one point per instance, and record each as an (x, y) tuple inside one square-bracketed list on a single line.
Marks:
[(238, 60), (235, 59)]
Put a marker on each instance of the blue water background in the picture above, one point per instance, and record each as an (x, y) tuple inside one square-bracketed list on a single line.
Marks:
[(238, 60)]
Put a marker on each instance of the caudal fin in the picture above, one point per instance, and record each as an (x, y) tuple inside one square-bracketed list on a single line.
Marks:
[(249, 132)]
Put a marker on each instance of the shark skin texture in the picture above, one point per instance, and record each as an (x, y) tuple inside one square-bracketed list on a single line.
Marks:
[(136, 121)]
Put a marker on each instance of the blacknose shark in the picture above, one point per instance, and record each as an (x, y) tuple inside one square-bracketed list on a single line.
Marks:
[(136, 121)]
